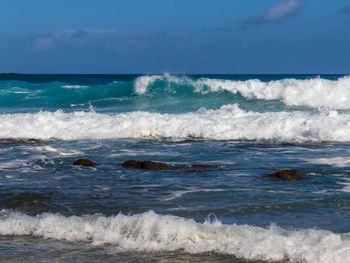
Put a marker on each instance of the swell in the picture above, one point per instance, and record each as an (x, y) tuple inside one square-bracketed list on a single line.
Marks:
[(116, 96), (162, 92), (153, 232), (227, 123), (53, 95)]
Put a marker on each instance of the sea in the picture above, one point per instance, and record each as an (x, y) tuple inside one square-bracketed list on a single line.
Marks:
[(240, 127)]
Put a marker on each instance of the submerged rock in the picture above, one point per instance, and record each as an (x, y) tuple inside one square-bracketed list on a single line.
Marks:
[(31, 203), (84, 162), (148, 165), (288, 175), (203, 166)]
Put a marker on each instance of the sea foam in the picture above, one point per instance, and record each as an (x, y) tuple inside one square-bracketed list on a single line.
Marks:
[(335, 161), (153, 232), (74, 87), (227, 123), (313, 92)]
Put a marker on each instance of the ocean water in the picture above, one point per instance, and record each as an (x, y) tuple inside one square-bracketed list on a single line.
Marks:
[(246, 125)]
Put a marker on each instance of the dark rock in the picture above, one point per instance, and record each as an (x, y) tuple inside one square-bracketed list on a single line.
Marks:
[(30, 203), (10, 141), (33, 140), (289, 175), (148, 165), (84, 162), (203, 166)]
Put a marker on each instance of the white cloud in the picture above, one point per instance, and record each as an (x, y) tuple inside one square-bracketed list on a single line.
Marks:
[(278, 12), (78, 33), (111, 40)]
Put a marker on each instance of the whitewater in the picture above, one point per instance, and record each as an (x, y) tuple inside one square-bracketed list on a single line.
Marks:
[(228, 122), (152, 232), (313, 92)]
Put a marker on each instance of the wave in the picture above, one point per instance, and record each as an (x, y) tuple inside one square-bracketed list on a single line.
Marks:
[(142, 83), (227, 123), (153, 232), (167, 92), (314, 92)]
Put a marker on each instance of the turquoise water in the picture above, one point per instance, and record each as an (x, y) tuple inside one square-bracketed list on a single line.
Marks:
[(247, 126)]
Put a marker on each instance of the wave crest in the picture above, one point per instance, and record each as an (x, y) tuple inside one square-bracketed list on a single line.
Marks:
[(314, 92), (153, 232)]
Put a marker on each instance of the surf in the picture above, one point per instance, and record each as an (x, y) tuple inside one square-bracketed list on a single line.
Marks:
[(151, 232), (174, 92), (312, 92), (229, 122)]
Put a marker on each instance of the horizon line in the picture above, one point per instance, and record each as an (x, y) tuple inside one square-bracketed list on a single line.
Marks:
[(164, 73)]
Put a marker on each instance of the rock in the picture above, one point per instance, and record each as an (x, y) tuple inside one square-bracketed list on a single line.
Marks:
[(288, 175), (148, 165), (84, 162), (10, 141), (33, 140), (203, 166)]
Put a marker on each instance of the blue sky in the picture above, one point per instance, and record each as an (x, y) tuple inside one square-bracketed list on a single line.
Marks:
[(175, 36)]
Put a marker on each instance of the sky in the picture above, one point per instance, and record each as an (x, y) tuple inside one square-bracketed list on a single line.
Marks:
[(175, 36)]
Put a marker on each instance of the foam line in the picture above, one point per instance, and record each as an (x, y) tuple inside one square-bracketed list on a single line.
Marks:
[(227, 123)]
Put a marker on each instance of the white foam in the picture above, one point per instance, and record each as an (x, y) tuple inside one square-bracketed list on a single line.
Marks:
[(74, 87), (18, 90), (320, 192), (126, 152), (335, 161), (346, 188), (14, 164), (45, 149), (314, 92), (177, 194), (152, 232), (345, 181), (50, 149), (142, 83), (227, 123)]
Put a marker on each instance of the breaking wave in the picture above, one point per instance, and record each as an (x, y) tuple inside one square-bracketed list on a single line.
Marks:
[(227, 123), (153, 232), (313, 92), (168, 92)]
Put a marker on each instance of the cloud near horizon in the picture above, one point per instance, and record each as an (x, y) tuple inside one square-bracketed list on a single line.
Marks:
[(53, 40), (277, 13), (106, 51)]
